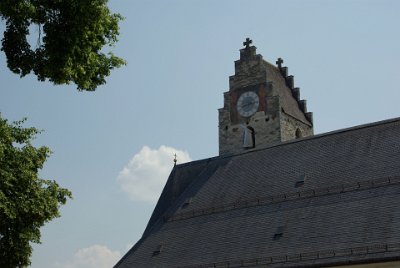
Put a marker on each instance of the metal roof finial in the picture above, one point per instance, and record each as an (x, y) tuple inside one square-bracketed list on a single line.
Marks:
[(247, 42)]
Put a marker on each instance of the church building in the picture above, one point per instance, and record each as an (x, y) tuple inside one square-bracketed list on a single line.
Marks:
[(278, 195)]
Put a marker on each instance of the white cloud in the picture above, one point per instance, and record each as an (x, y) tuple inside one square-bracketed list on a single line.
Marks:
[(95, 256), (146, 173)]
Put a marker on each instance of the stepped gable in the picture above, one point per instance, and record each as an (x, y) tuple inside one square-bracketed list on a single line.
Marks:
[(252, 69), (291, 102), (324, 200), (290, 96), (262, 106)]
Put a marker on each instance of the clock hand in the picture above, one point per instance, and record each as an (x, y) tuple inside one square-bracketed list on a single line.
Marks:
[(247, 104)]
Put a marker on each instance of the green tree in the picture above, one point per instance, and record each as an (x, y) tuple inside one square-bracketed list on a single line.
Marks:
[(27, 202), (71, 35)]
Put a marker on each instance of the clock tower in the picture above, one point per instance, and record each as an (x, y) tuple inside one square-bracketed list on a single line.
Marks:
[(262, 106)]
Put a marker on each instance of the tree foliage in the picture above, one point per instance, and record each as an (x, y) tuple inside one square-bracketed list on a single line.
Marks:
[(70, 37), (27, 202)]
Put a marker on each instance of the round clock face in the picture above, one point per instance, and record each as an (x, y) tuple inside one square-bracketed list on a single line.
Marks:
[(247, 104)]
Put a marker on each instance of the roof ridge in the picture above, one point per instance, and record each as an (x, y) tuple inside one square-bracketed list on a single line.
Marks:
[(321, 135), (362, 249), (348, 129), (278, 144), (265, 200)]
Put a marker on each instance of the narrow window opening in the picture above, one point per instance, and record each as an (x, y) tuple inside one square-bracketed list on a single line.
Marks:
[(298, 133), (249, 137)]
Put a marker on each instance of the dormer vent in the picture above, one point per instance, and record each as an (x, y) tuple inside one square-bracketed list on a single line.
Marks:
[(279, 232), (187, 202), (300, 181), (158, 250)]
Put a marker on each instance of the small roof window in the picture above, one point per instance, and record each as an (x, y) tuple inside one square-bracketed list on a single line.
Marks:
[(300, 181), (187, 202), (279, 232), (158, 250)]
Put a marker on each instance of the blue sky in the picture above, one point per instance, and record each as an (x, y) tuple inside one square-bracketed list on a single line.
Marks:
[(344, 56)]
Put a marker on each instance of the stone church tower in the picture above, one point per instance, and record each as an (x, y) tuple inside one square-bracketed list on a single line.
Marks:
[(262, 106)]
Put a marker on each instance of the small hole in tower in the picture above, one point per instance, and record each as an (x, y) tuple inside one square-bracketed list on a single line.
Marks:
[(298, 133), (226, 127), (267, 119)]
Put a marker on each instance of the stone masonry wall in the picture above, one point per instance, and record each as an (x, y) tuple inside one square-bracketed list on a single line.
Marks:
[(266, 128), (266, 125), (291, 125)]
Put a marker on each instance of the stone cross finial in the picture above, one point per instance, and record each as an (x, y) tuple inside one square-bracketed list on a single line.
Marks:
[(247, 42), (279, 62)]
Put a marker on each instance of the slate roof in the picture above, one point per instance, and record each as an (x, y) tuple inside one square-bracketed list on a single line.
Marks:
[(324, 200)]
